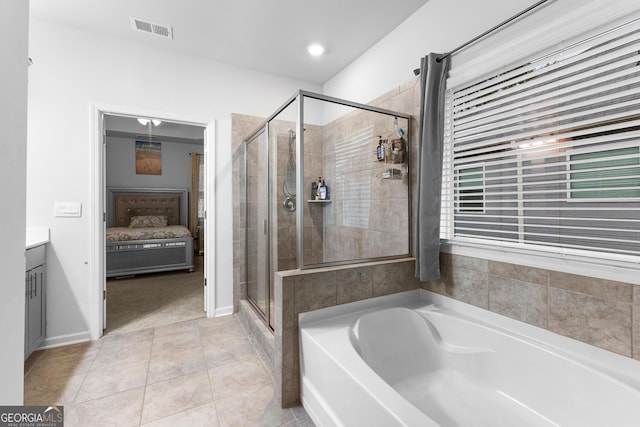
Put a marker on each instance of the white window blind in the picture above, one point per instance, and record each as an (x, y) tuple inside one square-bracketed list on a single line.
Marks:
[(546, 152)]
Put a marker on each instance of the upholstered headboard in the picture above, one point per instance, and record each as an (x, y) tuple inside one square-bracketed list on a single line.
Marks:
[(124, 203)]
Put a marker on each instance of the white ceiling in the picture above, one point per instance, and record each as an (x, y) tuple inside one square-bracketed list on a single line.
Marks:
[(268, 35)]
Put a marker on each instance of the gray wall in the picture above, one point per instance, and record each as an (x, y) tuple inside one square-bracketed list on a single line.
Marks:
[(176, 165)]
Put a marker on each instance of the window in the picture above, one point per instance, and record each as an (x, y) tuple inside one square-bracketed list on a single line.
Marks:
[(470, 189), (544, 154), (607, 175)]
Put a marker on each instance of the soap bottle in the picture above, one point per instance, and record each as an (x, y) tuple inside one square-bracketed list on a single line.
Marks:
[(314, 190), (318, 188), (380, 152), (323, 191), (326, 190)]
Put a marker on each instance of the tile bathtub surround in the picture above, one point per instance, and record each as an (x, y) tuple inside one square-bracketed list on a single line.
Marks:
[(599, 312), (203, 372), (301, 291)]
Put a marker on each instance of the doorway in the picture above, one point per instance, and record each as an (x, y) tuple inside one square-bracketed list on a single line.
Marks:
[(152, 287), (112, 126)]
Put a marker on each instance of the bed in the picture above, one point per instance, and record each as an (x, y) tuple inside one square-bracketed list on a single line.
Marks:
[(147, 231)]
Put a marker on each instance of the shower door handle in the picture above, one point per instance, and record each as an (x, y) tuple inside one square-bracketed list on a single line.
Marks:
[(264, 226)]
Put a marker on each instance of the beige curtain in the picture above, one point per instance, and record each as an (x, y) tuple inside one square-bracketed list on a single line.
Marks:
[(194, 196)]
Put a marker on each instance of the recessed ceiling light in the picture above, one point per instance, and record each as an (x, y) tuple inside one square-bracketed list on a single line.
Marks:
[(315, 49)]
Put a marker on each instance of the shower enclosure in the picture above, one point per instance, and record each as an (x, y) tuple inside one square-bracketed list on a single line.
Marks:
[(359, 154)]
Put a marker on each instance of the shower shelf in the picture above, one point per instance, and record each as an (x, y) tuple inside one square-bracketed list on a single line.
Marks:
[(319, 201)]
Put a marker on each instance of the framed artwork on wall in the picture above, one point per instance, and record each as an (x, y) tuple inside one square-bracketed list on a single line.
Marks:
[(148, 158)]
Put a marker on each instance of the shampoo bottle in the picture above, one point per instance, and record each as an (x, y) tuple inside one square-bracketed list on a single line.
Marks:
[(323, 191)]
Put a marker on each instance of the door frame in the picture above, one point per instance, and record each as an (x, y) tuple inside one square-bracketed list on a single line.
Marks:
[(97, 211)]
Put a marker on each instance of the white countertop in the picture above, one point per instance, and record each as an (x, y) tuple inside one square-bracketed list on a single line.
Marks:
[(37, 236)]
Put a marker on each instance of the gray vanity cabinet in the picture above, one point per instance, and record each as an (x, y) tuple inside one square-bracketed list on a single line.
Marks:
[(35, 299)]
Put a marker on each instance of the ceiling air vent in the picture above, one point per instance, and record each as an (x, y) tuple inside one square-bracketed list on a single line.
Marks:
[(150, 27)]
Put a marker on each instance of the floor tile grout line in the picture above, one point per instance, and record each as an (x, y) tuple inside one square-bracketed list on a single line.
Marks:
[(213, 399), (84, 376), (183, 375), (146, 379)]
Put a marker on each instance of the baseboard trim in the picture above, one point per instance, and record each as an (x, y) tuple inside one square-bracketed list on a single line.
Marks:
[(61, 340), (224, 311)]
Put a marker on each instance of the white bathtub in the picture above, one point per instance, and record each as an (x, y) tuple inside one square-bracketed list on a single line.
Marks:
[(421, 359)]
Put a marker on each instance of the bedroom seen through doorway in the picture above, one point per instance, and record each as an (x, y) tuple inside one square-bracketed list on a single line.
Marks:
[(154, 175)]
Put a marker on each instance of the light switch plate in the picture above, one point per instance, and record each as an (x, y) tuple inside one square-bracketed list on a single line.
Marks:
[(68, 209)]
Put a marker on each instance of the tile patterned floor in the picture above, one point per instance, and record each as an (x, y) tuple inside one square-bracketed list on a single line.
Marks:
[(203, 372)]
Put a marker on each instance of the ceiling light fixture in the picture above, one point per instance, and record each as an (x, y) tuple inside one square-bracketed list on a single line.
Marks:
[(315, 49), (144, 122)]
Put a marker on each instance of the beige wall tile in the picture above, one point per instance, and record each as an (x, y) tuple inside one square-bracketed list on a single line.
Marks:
[(603, 323), (599, 288), (468, 263), (394, 277), (519, 272), (437, 286), (519, 300), (469, 286), (354, 284), (291, 369), (313, 291), (389, 216), (385, 244), (284, 289)]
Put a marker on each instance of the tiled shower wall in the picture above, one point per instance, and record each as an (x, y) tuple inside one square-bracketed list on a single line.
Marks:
[(242, 126), (384, 230), (314, 164)]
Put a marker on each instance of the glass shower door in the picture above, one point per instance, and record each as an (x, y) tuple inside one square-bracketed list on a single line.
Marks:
[(257, 232)]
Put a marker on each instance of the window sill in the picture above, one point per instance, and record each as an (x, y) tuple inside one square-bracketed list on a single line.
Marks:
[(608, 267)]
